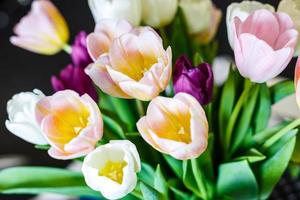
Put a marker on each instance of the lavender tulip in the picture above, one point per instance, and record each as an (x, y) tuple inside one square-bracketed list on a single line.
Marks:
[(196, 81), (75, 79), (80, 56)]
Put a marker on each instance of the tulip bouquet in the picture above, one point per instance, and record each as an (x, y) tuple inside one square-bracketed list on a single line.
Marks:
[(145, 113)]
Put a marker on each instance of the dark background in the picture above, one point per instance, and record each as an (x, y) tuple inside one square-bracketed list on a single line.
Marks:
[(21, 70)]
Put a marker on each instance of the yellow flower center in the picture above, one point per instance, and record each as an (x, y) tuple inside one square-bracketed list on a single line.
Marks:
[(113, 171)]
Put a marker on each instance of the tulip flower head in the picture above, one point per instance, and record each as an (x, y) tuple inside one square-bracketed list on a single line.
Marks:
[(43, 30), (175, 126), (159, 13), (196, 81), (79, 54), (242, 10), (135, 65), (130, 10), (74, 78), (297, 81), (21, 117), (292, 8), (259, 55), (111, 168), (72, 124)]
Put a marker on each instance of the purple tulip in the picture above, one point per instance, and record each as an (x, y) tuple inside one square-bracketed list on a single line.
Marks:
[(74, 78), (80, 56), (196, 81)]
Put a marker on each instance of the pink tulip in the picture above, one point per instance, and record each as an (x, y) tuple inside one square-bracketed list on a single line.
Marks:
[(264, 44), (72, 124), (175, 126), (43, 30), (297, 81), (133, 65)]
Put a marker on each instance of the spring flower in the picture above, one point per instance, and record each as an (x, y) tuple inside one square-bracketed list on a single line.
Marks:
[(136, 66), (21, 117), (241, 10), (175, 126), (43, 30), (105, 32), (205, 29), (259, 55), (292, 8), (72, 124), (196, 81), (221, 68), (159, 13), (111, 168), (74, 78), (130, 10), (79, 54), (297, 81)]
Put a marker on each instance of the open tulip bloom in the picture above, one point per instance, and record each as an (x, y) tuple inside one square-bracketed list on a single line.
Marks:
[(151, 112)]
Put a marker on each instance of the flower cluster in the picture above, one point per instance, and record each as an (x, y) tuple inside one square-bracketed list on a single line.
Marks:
[(147, 104)]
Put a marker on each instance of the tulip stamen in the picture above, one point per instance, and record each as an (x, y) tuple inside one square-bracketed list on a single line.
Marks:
[(113, 170)]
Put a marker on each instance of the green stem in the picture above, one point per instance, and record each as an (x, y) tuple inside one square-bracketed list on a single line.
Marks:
[(199, 178), (67, 48), (234, 116), (281, 133), (136, 193), (140, 107)]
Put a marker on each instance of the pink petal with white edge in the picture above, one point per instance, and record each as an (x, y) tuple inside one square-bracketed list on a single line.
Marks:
[(60, 155)]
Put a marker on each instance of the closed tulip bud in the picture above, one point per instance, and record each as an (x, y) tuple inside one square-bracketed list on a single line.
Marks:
[(72, 124), (196, 81), (136, 65), (175, 126), (205, 29), (159, 13), (79, 54), (292, 8), (74, 78), (130, 10), (21, 117), (241, 10), (43, 30), (111, 168), (259, 55)]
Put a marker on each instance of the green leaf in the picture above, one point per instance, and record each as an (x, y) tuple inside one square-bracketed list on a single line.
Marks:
[(179, 38), (281, 90), (296, 154), (150, 193), (147, 174), (160, 183), (175, 165), (180, 195), (237, 181), (42, 147), (263, 110), (113, 126), (245, 119), (270, 171), (36, 180), (226, 104), (189, 179), (252, 156)]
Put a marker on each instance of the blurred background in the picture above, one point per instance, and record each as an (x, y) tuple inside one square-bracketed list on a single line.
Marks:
[(21, 70)]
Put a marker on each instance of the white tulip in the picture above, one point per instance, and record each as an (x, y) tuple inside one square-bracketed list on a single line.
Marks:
[(202, 18), (242, 10), (292, 8), (111, 168), (221, 68), (159, 13), (21, 117), (130, 10)]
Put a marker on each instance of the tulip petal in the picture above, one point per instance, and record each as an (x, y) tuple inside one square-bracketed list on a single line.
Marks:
[(97, 45)]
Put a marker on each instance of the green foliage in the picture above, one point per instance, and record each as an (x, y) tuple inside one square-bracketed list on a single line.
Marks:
[(281, 90)]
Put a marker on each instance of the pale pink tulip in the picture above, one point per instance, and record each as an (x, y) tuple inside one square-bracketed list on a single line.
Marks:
[(297, 81), (135, 65), (264, 44), (72, 124), (43, 30), (175, 126)]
